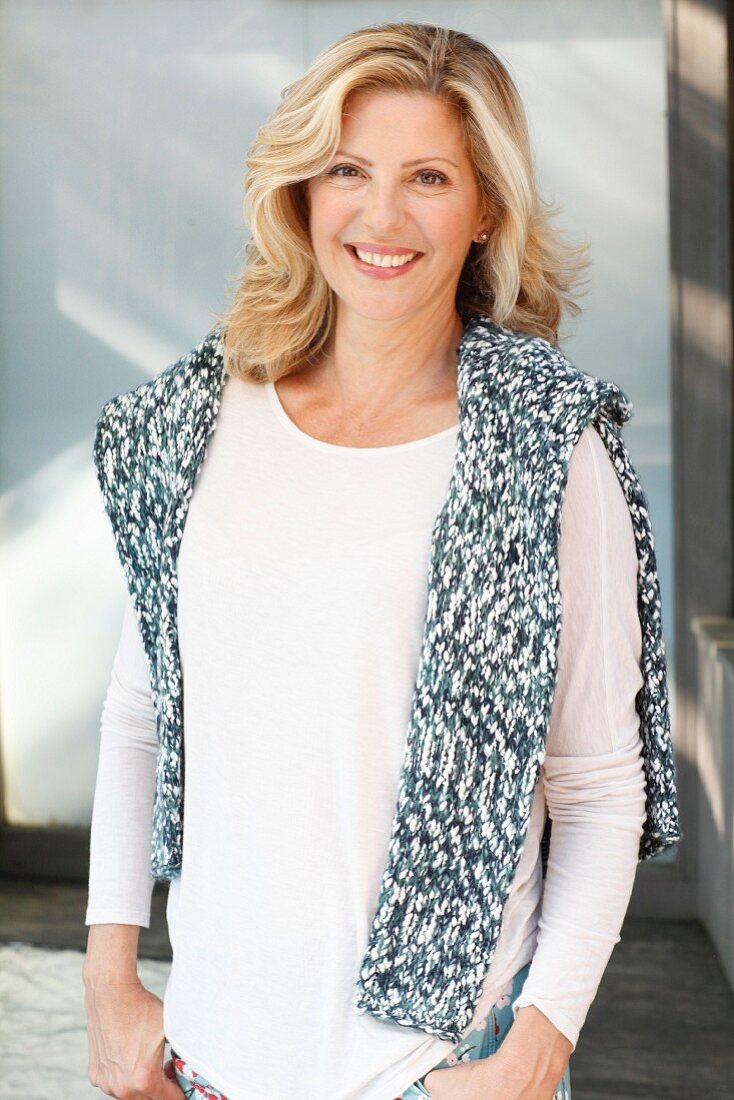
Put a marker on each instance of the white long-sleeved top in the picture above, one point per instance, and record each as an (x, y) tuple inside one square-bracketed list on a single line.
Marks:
[(302, 596)]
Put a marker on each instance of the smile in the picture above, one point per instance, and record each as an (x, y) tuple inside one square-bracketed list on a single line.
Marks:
[(382, 266)]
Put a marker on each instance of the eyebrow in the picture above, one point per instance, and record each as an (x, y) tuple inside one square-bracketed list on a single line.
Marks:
[(406, 164)]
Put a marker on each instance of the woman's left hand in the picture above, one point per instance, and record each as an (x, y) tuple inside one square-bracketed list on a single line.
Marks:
[(487, 1079), (528, 1065)]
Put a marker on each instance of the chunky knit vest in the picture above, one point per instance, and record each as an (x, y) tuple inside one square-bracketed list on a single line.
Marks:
[(485, 682)]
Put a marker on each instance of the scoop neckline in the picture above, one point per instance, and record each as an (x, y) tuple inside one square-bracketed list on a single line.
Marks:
[(324, 445)]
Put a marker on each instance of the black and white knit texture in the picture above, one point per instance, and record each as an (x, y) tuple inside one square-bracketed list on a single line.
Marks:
[(488, 661)]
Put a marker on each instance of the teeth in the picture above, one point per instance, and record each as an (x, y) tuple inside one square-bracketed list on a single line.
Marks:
[(384, 261)]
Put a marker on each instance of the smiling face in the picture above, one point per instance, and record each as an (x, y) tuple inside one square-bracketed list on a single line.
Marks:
[(401, 185)]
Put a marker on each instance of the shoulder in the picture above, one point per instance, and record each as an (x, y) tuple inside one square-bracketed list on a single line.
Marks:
[(137, 422), (538, 381)]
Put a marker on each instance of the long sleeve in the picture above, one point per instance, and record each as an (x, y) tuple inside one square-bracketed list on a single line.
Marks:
[(120, 883), (593, 771)]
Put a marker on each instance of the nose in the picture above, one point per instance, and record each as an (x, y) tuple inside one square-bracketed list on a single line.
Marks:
[(384, 208)]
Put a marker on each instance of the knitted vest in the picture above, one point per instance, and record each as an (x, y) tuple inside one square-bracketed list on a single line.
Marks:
[(487, 668)]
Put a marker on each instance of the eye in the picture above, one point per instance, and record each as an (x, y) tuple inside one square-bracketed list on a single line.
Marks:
[(339, 168), (336, 169), (430, 172)]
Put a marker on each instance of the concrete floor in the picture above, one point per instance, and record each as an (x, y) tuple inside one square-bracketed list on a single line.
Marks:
[(660, 1028)]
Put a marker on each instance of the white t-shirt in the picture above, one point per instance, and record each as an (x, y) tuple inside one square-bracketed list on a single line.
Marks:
[(302, 597)]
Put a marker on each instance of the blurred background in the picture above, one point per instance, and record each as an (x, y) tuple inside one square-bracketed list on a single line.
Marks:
[(123, 130)]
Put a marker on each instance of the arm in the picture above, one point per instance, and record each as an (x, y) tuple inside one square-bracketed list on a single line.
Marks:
[(593, 773), (126, 1041), (120, 884)]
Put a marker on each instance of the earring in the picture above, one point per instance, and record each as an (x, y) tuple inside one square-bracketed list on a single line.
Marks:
[(483, 237)]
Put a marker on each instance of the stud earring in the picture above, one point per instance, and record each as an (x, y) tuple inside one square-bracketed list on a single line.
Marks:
[(483, 237)]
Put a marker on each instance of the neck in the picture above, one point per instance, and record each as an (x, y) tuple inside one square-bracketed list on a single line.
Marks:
[(369, 365)]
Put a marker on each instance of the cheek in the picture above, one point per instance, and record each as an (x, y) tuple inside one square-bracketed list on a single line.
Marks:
[(331, 211), (451, 226)]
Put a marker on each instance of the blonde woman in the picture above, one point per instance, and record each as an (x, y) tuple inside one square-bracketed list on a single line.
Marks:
[(356, 913)]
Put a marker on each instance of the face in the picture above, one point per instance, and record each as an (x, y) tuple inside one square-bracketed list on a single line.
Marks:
[(400, 184)]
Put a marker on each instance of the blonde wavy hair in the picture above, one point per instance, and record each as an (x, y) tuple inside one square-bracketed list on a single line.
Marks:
[(282, 309)]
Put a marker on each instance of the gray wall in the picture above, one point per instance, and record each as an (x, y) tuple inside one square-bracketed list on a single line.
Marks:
[(124, 129)]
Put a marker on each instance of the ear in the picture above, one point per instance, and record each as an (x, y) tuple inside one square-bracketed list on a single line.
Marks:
[(489, 216)]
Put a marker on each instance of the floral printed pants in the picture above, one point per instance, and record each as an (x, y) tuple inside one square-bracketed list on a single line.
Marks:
[(480, 1043)]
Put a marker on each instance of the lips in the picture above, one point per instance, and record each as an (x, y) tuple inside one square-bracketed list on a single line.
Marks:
[(381, 250), (378, 272)]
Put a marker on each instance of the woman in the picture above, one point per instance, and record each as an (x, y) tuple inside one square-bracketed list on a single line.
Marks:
[(394, 402)]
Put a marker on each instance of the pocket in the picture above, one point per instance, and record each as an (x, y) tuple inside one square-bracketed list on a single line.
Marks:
[(416, 1090), (502, 1008), (470, 1049), (187, 1075), (563, 1088)]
